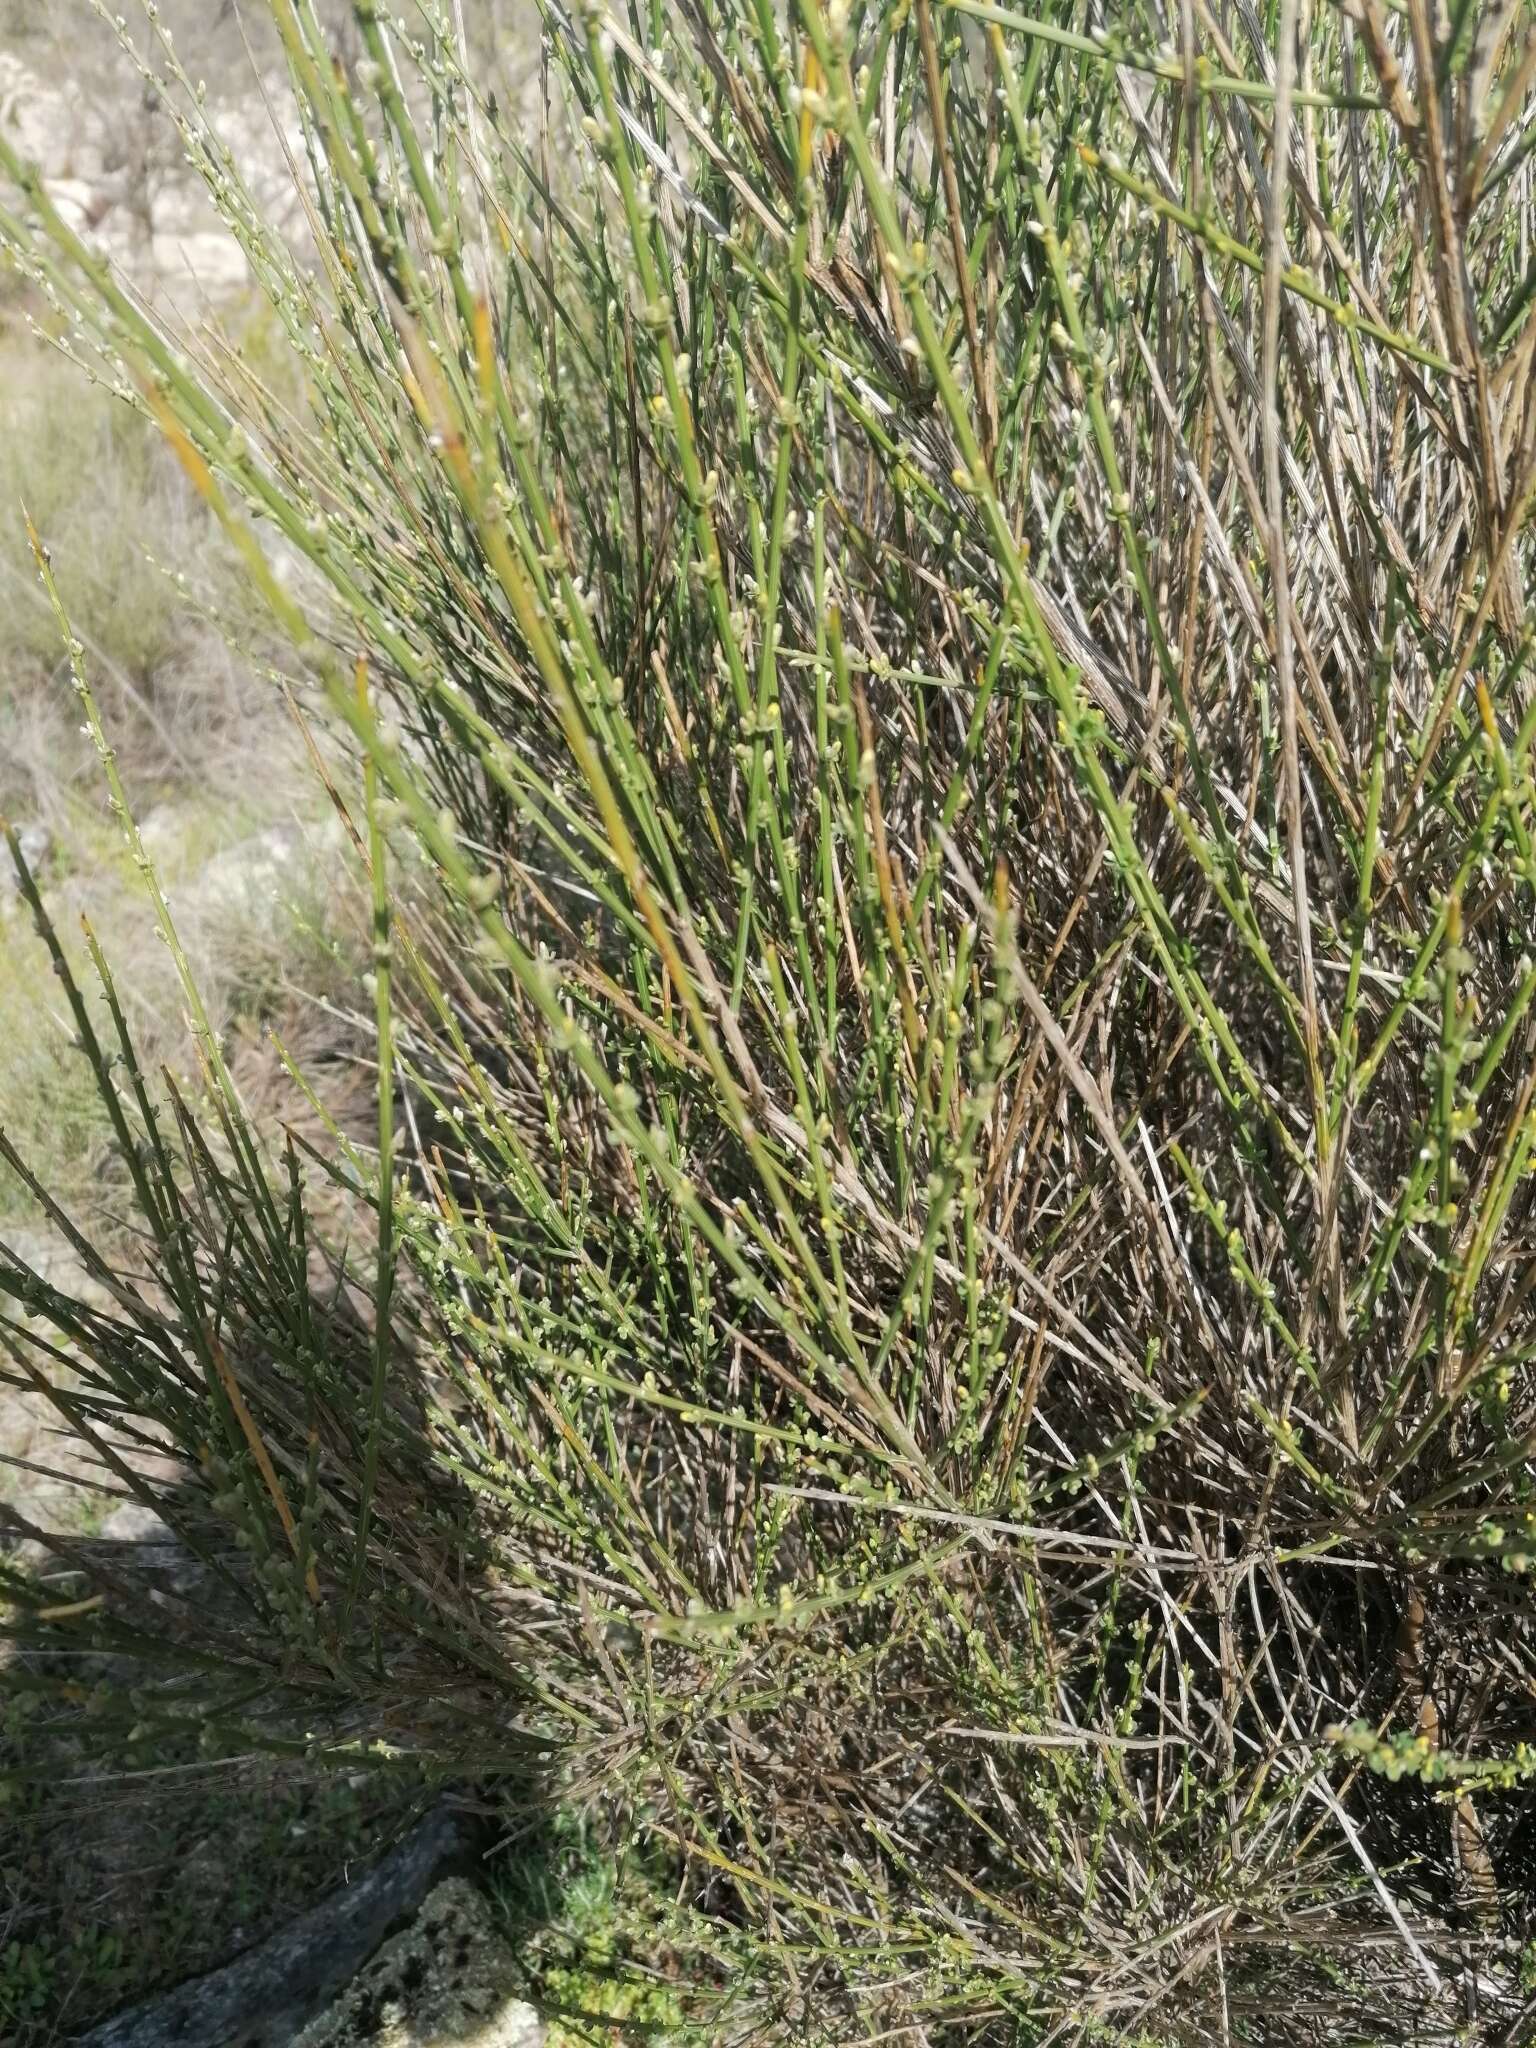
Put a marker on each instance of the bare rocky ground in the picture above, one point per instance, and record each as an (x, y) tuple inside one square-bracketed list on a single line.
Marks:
[(110, 152), (448, 1979)]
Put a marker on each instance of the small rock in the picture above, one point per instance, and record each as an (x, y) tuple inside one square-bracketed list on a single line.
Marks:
[(447, 1982), (74, 199), (46, 1253), (135, 1523), (36, 850), (87, 160), (249, 879), (212, 260), (33, 115), (165, 828)]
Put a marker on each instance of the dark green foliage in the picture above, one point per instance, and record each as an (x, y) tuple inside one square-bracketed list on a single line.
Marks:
[(926, 647)]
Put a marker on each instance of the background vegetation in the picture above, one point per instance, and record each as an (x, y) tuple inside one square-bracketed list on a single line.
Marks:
[(917, 618)]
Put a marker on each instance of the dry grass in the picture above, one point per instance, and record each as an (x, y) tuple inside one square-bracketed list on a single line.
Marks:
[(123, 526)]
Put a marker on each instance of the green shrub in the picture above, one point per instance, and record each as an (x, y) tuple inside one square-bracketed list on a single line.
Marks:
[(932, 636)]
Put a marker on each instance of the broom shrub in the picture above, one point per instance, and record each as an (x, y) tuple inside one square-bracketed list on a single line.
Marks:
[(918, 613)]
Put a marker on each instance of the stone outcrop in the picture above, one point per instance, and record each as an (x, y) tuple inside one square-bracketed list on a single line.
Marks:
[(116, 170), (447, 1982), (266, 1997)]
